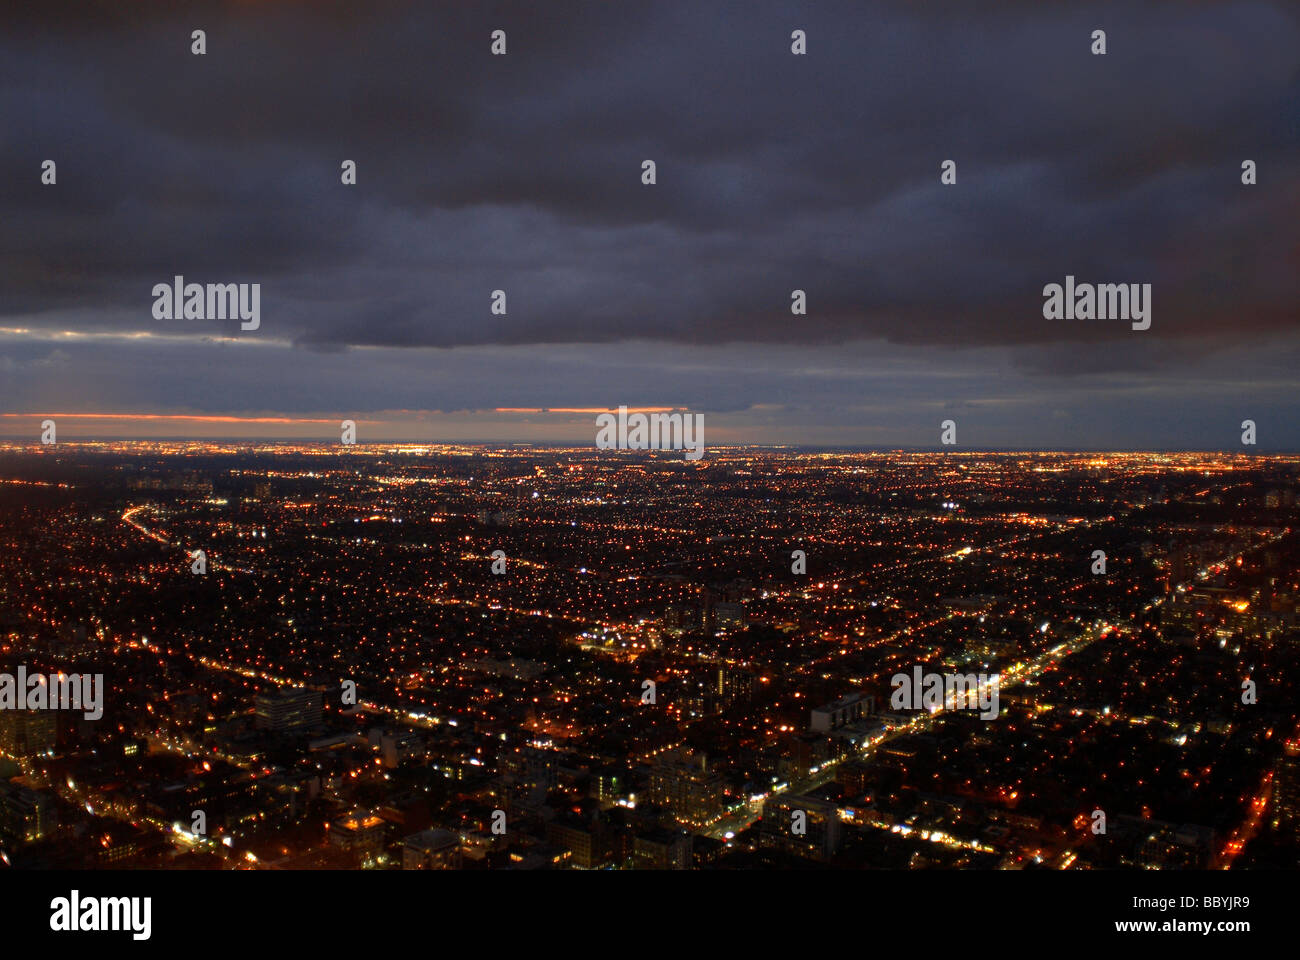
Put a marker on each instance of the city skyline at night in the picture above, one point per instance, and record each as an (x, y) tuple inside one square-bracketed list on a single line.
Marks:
[(730, 462), (434, 656)]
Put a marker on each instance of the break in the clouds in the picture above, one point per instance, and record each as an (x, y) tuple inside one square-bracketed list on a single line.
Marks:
[(775, 172)]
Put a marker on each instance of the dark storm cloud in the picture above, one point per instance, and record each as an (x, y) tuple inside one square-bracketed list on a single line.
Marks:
[(775, 172)]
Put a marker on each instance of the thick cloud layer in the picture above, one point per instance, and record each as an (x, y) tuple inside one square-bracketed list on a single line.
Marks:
[(775, 172)]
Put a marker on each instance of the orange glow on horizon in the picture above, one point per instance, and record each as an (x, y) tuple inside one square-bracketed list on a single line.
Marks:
[(583, 409)]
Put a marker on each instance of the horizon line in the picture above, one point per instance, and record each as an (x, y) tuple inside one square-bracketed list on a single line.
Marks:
[(27, 441)]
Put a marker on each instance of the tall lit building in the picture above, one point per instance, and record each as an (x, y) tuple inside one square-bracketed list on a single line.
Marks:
[(662, 850), (26, 733), (1286, 791), (687, 789), (25, 815), (821, 829), (289, 709)]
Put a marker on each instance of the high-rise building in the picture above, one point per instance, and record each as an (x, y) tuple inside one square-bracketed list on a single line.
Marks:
[(729, 616), (832, 716), (584, 843), (431, 850), (1286, 791), (817, 834), (26, 733), (735, 685), (289, 709), (608, 785), (662, 850), (687, 789), (25, 815)]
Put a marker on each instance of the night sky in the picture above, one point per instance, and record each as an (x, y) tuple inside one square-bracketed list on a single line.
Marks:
[(775, 172)]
